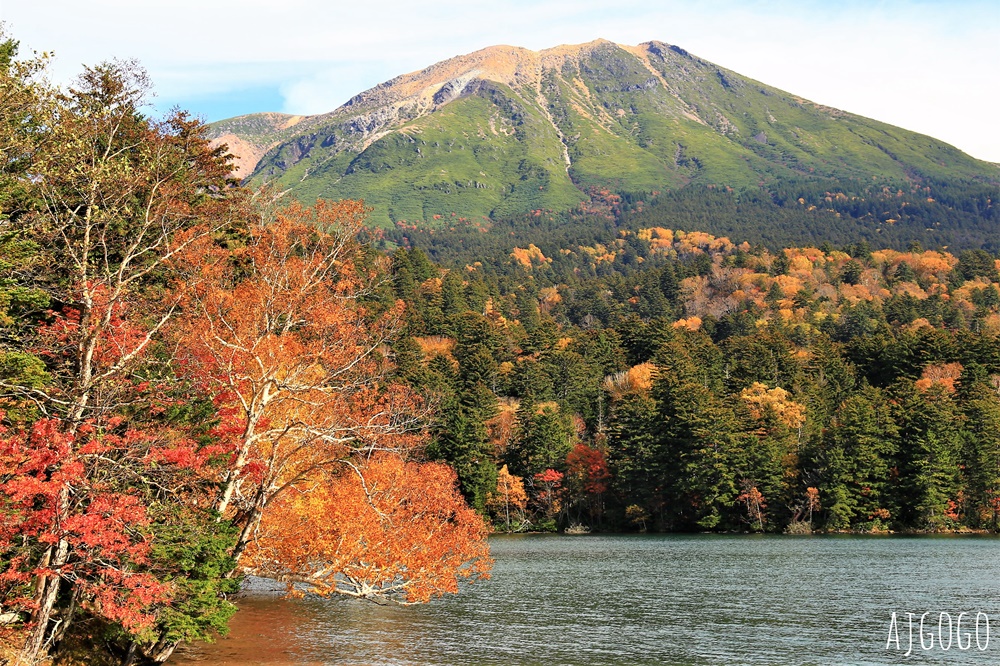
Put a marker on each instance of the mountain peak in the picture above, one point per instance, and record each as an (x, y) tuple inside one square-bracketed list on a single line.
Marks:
[(506, 129), (509, 65)]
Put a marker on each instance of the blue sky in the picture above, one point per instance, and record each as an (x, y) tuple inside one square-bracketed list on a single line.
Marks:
[(929, 66)]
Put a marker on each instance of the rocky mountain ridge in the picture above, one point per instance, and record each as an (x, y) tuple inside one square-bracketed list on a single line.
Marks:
[(505, 129)]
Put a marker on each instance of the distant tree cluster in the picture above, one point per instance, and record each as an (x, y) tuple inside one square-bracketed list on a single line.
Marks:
[(953, 215)]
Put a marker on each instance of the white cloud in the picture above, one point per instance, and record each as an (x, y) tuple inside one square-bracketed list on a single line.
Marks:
[(927, 66)]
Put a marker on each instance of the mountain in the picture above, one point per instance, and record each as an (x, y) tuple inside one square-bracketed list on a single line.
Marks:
[(250, 137), (506, 130)]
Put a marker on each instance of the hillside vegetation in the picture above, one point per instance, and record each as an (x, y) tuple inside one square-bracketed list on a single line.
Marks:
[(506, 130), (718, 386)]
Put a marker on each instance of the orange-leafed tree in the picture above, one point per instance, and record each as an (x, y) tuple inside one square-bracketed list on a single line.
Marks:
[(753, 500), (812, 503), (391, 530), (775, 403), (282, 331), (509, 498), (278, 330)]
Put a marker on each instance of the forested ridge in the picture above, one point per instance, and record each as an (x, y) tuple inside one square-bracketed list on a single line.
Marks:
[(954, 215)]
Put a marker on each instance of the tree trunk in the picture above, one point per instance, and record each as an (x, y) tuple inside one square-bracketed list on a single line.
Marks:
[(59, 633), (253, 520), (232, 476), (230, 482), (35, 646), (160, 652), (48, 589), (129, 657)]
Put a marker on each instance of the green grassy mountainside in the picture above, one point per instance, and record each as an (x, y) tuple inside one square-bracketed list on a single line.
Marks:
[(506, 130)]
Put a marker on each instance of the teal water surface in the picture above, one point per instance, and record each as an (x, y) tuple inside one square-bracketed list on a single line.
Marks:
[(665, 599)]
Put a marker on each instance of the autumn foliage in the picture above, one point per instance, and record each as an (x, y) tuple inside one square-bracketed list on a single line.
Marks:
[(509, 501), (104, 529), (393, 529), (587, 469), (197, 383), (276, 332), (319, 436)]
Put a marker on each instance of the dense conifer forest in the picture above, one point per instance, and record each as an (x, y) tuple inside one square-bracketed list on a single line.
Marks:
[(663, 380)]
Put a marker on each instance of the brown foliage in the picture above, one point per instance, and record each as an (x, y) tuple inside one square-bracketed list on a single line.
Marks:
[(943, 374)]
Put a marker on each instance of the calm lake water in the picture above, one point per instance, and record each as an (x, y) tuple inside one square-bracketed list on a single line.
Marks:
[(616, 600)]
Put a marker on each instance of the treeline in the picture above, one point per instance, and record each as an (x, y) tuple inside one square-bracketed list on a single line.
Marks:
[(715, 387), (935, 215), (957, 215)]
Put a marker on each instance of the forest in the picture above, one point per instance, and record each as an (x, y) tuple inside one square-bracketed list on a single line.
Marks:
[(598, 370), (201, 381), (729, 388)]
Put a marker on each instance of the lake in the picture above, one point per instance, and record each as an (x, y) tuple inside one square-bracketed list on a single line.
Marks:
[(656, 599)]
